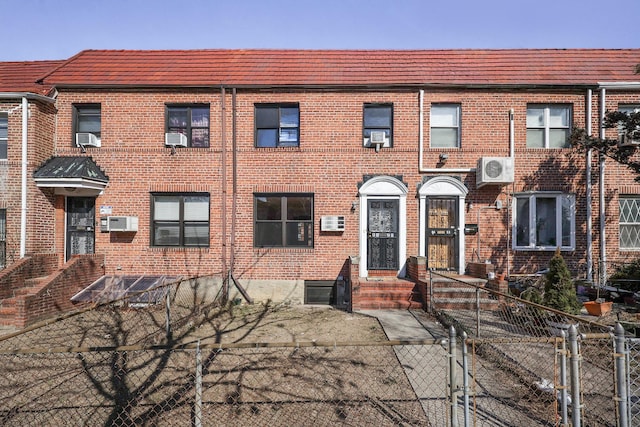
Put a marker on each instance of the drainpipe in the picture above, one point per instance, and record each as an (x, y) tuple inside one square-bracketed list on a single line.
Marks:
[(234, 178), (23, 210), (223, 157), (421, 167), (603, 242), (588, 192)]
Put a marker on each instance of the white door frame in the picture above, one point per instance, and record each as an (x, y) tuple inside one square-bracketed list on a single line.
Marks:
[(390, 188), (443, 186)]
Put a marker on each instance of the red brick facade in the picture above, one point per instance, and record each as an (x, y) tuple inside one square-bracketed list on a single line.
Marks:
[(329, 163)]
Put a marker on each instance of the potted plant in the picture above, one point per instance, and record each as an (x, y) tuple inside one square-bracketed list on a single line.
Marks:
[(560, 293)]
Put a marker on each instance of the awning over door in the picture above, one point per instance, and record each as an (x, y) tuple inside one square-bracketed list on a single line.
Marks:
[(71, 176)]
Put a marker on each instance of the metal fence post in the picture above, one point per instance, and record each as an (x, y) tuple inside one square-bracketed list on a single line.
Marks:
[(430, 305), (574, 369), (564, 401), (197, 409), (621, 375), (453, 388), (478, 312), (465, 378), (167, 314)]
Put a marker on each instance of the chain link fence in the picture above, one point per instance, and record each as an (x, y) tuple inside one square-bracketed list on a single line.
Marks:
[(126, 363)]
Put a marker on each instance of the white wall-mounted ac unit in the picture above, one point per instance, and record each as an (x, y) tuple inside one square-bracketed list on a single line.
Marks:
[(377, 139), (625, 140), (175, 139), (332, 223), (86, 139), (494, 171), (122, 223)]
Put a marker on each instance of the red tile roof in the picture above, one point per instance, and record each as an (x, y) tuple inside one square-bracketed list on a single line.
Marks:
[(22, 76), (346, 67)]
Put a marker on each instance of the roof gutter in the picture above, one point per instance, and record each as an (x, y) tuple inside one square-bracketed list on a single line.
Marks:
[(26, 95), (619, 85)]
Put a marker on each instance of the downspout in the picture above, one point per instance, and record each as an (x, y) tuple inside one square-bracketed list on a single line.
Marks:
[(23, 210), (223, 207), (588, 191), (512, 154), (421, 167), (234, 178), (603, 242)]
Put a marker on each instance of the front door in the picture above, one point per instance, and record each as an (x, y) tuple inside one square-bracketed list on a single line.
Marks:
[(382, 234), (442, 241), (80, 226)]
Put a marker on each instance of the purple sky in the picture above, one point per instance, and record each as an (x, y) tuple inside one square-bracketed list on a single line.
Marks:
[(58, 29)]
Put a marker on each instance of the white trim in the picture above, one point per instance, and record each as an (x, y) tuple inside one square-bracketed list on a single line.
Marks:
[(383, 187), (445, 186)]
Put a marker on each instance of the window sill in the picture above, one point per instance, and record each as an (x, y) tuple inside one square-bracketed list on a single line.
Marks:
[(179, 249), (290, 249), (543, 249)]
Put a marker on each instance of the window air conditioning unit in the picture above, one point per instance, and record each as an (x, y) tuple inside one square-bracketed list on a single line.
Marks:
[(625, 140), (86, 139), (332, 223), (494, 171), (376, 139), (122, 223), (175, 139)]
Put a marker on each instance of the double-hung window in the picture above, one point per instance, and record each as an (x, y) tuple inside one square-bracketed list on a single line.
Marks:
[(283, 220), (548, 126), (4, 135), (192, 121), (630, 222), (544, 221), (87, 124), (3, 238), (445, 126), (180, 219), (277, 125), (377, 124)]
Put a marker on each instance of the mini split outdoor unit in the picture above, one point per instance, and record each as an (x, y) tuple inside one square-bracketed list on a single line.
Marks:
[(494, 171)]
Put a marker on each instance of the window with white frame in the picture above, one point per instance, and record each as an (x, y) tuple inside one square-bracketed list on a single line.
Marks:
[(445, 126), (4, 135), (622, 132), (277, 125), (630, 222), (544, 221), (548, 126), (377, 124), (180, 219), (283, 220), (3, 238)]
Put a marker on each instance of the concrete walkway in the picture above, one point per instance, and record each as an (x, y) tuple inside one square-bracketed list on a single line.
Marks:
[(407, 325)]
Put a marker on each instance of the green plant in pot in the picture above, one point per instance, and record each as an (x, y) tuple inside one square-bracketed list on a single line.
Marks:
[(560, 292)]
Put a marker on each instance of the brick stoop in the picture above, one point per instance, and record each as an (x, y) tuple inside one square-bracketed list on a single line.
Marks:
[(449, 294), (386, 293)]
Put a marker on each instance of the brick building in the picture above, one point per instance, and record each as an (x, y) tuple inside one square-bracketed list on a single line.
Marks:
[(285, 169)]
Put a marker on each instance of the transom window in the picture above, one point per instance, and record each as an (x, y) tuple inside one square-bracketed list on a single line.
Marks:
[(378, 123), (87, 124), (180, 219), (283, 220), (277, 125), (630, 222), (445, 126), (191, 121), (3, 238), (548, 126), (4, 135), (544, 221)]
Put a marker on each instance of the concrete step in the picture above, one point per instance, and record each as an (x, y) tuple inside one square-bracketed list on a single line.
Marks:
[(381, 305)]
